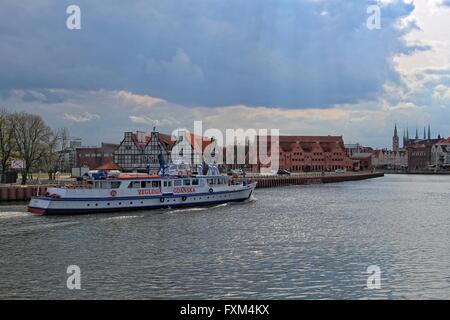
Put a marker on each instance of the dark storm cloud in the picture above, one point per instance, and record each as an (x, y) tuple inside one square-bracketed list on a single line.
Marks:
[(278, 53)]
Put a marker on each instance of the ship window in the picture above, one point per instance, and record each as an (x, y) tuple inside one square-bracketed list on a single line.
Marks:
[(144, 184), (156, 184), (177, 183), (187, 182), (195, 182), (135, 184), (167, 183), (115, 184), (104, 185)]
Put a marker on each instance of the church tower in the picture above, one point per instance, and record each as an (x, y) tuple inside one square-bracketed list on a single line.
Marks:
[(395, 140)]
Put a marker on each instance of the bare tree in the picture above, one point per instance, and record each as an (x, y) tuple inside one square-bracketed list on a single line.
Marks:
[(32, 137), (54, 154), (7, 143)]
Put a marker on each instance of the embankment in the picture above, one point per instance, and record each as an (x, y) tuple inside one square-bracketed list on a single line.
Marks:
[(277, 181)]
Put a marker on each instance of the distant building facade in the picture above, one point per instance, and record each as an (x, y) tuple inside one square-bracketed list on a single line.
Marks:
[(416, 154), (139, 152), (310, 154), (419, 156), (67, 156), (440, 155), (356, 148), (388, 159), (94, 157)]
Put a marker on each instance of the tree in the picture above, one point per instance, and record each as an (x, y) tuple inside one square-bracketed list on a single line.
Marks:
[(54, 153), (7, 143), (32, 137)]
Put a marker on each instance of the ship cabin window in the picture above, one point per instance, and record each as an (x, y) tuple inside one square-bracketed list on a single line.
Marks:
[(115, 184), (177, 183), (187, 182), (195, 182), (135, 184), (156, 184), (216, 181), (167, 183)]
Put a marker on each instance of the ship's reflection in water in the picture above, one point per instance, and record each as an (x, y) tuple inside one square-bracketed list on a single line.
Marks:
[(312, 242)]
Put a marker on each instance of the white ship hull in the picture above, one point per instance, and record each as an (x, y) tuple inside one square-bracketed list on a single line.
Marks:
[(82, 201)]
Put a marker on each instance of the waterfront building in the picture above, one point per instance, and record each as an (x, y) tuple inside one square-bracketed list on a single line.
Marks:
[(388, 159), (362, 161), (67, 155), (191, 148), (356, 149), (94, 157), (310, 154), (139, 152), (419, 156), (440, 155)]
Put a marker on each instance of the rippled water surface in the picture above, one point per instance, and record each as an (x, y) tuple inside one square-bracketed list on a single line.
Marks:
[(310, 242)]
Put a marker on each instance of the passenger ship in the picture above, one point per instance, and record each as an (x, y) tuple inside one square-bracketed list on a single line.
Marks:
[(141, 191)]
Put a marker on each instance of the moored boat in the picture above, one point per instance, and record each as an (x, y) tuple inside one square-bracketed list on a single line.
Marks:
[(141, 191)]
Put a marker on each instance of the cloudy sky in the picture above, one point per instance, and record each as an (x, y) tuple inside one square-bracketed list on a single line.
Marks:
[(303, 66)]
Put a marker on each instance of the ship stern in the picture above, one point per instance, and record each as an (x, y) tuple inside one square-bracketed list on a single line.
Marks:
[(38, 206)]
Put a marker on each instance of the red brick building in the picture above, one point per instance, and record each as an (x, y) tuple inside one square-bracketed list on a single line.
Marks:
[(94, 157), (310, 154)]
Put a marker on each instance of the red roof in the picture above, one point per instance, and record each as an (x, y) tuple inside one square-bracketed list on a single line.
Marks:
[(109, 166)]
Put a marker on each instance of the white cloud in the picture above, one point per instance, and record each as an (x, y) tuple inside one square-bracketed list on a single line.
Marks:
[(79, 118), (139, 100), (441, 93)]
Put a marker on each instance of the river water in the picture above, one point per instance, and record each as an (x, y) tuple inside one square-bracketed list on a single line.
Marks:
[(299, 242)]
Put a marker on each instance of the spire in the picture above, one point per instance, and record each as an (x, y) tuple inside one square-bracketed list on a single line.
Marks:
[(395, 140), (407, 133), (417, 133), (424, 133), (429, 132)]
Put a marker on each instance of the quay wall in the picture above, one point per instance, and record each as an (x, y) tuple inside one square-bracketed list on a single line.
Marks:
[(277, 181), (21, 193)]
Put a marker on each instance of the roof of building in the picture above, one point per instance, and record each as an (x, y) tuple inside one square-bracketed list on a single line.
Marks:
[(109, 166), (363, 155)]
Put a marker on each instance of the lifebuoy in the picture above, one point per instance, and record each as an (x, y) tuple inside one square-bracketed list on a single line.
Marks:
[(161, 200), (113, 193), (211, 190)]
